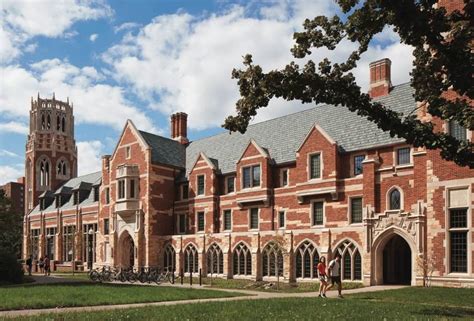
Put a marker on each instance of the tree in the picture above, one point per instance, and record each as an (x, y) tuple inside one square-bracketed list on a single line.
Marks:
[(11, 227), (443, 62)]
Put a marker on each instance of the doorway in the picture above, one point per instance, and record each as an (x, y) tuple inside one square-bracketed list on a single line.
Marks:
[(397, 263)]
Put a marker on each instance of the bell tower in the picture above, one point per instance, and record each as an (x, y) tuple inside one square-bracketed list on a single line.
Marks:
[(51, 152)]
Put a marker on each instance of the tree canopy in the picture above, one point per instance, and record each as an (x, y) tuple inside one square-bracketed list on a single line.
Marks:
[(443, 61)]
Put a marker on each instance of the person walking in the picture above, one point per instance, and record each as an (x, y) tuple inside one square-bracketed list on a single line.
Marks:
[(29, 264), (335, 274), (323, 278), (41, 265), (47, 266)]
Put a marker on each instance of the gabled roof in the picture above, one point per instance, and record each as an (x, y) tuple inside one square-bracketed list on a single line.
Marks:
[(282, 136), (164, 150)]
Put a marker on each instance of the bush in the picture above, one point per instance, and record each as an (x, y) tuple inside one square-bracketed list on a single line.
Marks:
[(11, 271)]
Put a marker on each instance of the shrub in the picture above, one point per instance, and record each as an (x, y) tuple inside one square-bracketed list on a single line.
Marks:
[(11, 271)]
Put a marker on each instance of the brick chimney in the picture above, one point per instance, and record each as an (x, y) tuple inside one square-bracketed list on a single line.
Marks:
[(380, 82), (179, 127)]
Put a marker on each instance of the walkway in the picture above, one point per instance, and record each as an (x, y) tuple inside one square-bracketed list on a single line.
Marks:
[(251, 295)]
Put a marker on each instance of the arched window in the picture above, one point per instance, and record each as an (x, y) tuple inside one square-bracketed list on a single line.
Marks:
[(63, 125), (191, 259), (48, 122), (61, 168), (44, 172), (169, 258), (43, 122), (58, 123), (242, 260), (351, 261), (307, 259), (272, 259), (395, 199), (215, 260)]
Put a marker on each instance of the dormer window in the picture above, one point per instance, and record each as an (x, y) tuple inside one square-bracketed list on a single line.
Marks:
[(315, 166), (58, 201), (96, 193), (184, 191), (251, 176), (76, 197), (230, 184)]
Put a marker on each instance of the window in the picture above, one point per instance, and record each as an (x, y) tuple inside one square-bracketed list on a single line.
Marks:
[(254, 218), (50, 242), (284, 177), (89, 243), (230, 184), (457, 131), (68, 243), (458, 231), (318, 213), (191, 259), (200, 185), (128, 152), (132, 191), (307, 259), (272, 260), (107, 195), (182, 223), (395, 199), (315, 166), (227, 220), (251, 176), (403, 156), (356, 210), (351, 261), (61, 169), (96, 193), (200, 221), (63, 124), (106, 226), (358, 164), (34, 237), (242, 259), (44, 172), (58, 123), (215, 260), (75, 196), (184, 191), (281, 219), (121, 189), (169, 258), (58, 201)]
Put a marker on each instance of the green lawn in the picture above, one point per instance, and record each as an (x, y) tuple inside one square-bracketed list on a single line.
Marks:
[(82, 294), (403, 304)]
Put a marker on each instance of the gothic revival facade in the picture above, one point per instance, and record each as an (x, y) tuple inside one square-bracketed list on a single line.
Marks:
[(268, 202)]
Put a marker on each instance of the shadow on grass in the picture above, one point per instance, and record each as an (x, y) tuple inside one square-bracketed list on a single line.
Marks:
[(447, 312)]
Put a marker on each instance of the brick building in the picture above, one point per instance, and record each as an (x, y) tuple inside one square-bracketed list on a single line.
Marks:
[(273, 200), (15, 192)]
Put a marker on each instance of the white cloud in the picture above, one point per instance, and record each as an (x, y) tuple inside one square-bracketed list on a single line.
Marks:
[(14, 127), (126, 26), (93, 37), (22, 20), (94, 101), (7, 153), (89, 155), (187, 61), (11, 173)]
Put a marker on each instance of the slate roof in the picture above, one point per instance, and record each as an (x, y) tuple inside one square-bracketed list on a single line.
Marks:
[(165, 150), (282, 136), (92, 179)]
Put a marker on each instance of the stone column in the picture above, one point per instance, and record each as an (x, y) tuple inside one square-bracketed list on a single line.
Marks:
[(256, 257)]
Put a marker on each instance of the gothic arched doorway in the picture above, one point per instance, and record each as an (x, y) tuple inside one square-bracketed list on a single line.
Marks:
[(397, 263), (127, 249)]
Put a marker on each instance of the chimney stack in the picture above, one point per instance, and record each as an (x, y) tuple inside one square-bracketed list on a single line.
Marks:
[(380, 80), (179, 127)]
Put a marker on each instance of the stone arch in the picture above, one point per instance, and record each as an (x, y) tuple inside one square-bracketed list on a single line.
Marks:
[(215, 259), (63, 124), (377, 253), (242, 259), (306, 259), (169, 257), (191, 258), (126, 250), (44, 171), (62, 168), (272, 259), (388, 195), (351, 259)]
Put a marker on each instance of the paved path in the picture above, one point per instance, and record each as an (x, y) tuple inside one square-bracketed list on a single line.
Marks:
[(54, 279), (251, 295)]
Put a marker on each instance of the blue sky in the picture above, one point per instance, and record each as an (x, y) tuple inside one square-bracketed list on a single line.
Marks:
[(146, 59)]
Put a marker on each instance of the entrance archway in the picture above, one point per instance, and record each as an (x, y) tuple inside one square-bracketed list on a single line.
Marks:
[(397, 261), (127, 249)]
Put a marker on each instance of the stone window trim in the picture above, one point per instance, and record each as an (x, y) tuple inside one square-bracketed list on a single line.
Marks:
[(284, 212), (250, 219), (321, 166), (128, 152), (317, 200), (197, 185), (251, 166), (203, 212), (349, 210), (62, 168), (181, 230), (223, 219), (348, 246), (242, 260), (302, 250), (226, 187), (127, 192), (282, 181), (387, 198), (469, 229), (353, 164), (395, 157)]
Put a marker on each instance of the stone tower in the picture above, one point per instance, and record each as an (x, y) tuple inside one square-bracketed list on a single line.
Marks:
[(51, 152)]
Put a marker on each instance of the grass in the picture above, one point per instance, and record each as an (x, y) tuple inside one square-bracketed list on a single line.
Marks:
[(84, 294), (403, 304), (284, 287)]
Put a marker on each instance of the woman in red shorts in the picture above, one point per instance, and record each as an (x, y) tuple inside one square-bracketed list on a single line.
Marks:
[(323, 279)]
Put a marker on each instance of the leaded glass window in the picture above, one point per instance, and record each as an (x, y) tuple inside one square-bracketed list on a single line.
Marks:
[(318, 213), (315, 166), (395, 199), (356, 210)]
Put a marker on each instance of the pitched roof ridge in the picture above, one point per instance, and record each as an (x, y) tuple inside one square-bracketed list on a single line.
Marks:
[(156, 135)]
